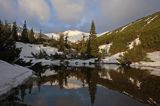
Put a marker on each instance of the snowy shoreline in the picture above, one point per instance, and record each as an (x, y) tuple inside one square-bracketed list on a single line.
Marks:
[(12, 76)]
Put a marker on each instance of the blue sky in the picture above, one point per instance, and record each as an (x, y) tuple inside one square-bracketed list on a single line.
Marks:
[(61, 15)]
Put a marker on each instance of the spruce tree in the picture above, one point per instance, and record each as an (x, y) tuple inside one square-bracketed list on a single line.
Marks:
[(83, 46), (14, 35), (40, 37), (61, 43), (25, 33), (66, 42), (31, 36), (8, 50), (1, 27), (92, 47)]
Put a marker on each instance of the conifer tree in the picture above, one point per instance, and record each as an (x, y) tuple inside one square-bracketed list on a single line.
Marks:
[(1, 27), (8, 50), (14, 35), (40, 37), (61, 43), (83, 46), (92, 46), (31, 36), (66, 42), (25, 33)]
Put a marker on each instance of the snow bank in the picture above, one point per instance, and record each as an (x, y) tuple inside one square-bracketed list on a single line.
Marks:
[(81, 63), (105, 47), (28, 48), (11, 76), (154, 65), (112, 59), (154, 56)]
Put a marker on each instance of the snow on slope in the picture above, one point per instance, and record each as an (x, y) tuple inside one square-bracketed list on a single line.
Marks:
[(150, 20), (112, 59), (11, 76), (101, 34), (105, 47), (124, 27), (28, 48), (135, 42), (54, 35), (73, 36)]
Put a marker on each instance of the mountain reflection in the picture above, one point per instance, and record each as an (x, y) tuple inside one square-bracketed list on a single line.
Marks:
[(137, 84)]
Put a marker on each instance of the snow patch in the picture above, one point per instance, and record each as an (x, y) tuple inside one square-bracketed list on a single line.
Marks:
[(11, 76), (154, 56), (105, 47), (154, 66), (112, 59), (135, 42), (150, 20), (101, 34), (124, 28), (27, 49)]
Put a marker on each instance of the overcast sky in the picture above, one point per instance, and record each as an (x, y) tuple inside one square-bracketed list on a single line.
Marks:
[(61, 15)]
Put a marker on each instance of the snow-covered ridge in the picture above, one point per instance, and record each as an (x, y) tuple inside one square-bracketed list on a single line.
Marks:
[(11, 76), (73, 35)]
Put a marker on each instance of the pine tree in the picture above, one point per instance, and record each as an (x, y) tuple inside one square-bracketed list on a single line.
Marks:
[(92, 46), (25, 33), (61, 43), (1, 27), (83, 47), (8, 50), (7, 30), (14, 35), (66, 42), (40, 37), (31, 36)]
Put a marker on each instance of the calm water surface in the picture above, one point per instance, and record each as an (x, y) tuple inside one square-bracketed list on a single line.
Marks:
[(101, 86)]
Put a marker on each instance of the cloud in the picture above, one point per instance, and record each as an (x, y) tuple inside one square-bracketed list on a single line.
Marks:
[(60, 15), (30, 9), (69, 10), (34, 9)]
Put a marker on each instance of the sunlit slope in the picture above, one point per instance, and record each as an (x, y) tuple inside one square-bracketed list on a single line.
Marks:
[(147, 29)]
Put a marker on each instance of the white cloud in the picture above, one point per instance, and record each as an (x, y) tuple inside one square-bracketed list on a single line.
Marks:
[(69, 10), (34, 9), (24, 9)]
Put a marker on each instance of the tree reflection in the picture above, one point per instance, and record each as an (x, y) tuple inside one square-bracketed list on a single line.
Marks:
[(136, 83)]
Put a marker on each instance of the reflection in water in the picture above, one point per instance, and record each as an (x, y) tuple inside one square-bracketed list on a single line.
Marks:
[(89, 86)]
